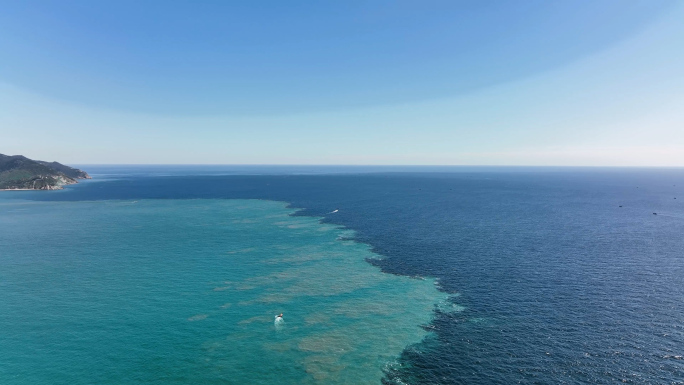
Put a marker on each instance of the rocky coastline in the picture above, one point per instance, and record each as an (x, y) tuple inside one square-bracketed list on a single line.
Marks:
[(18, 172)]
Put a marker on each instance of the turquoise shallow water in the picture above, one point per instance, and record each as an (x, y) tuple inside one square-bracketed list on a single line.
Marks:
[(185, 291)]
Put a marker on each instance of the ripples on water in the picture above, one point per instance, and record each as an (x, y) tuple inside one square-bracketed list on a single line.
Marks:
[(186, 291), (554, 276)]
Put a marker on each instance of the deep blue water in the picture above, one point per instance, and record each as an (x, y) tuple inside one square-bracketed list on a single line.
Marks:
[(560, 275)]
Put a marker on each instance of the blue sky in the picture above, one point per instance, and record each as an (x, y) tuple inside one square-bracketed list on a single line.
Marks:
[(356, 82)]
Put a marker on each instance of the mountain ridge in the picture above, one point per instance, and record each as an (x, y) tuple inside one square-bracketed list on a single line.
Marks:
[(18, 172)]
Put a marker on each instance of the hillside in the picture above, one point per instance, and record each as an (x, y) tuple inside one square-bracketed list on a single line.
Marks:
[(18, 172)]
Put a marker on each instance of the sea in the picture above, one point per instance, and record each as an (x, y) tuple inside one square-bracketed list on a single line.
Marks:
[(384, 275)]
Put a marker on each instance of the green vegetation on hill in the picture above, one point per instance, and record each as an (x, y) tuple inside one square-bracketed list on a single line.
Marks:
[(20, 172)]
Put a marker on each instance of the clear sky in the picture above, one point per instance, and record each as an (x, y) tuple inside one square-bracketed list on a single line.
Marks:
[(472, 82)]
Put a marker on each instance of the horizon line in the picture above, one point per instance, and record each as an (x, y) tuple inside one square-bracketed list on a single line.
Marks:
[(370, 165)]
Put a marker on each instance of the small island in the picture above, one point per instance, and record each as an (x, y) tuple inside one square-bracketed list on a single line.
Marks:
[(18, 172)]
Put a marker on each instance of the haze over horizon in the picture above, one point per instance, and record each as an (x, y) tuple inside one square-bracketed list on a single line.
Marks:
[(360, 83)]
